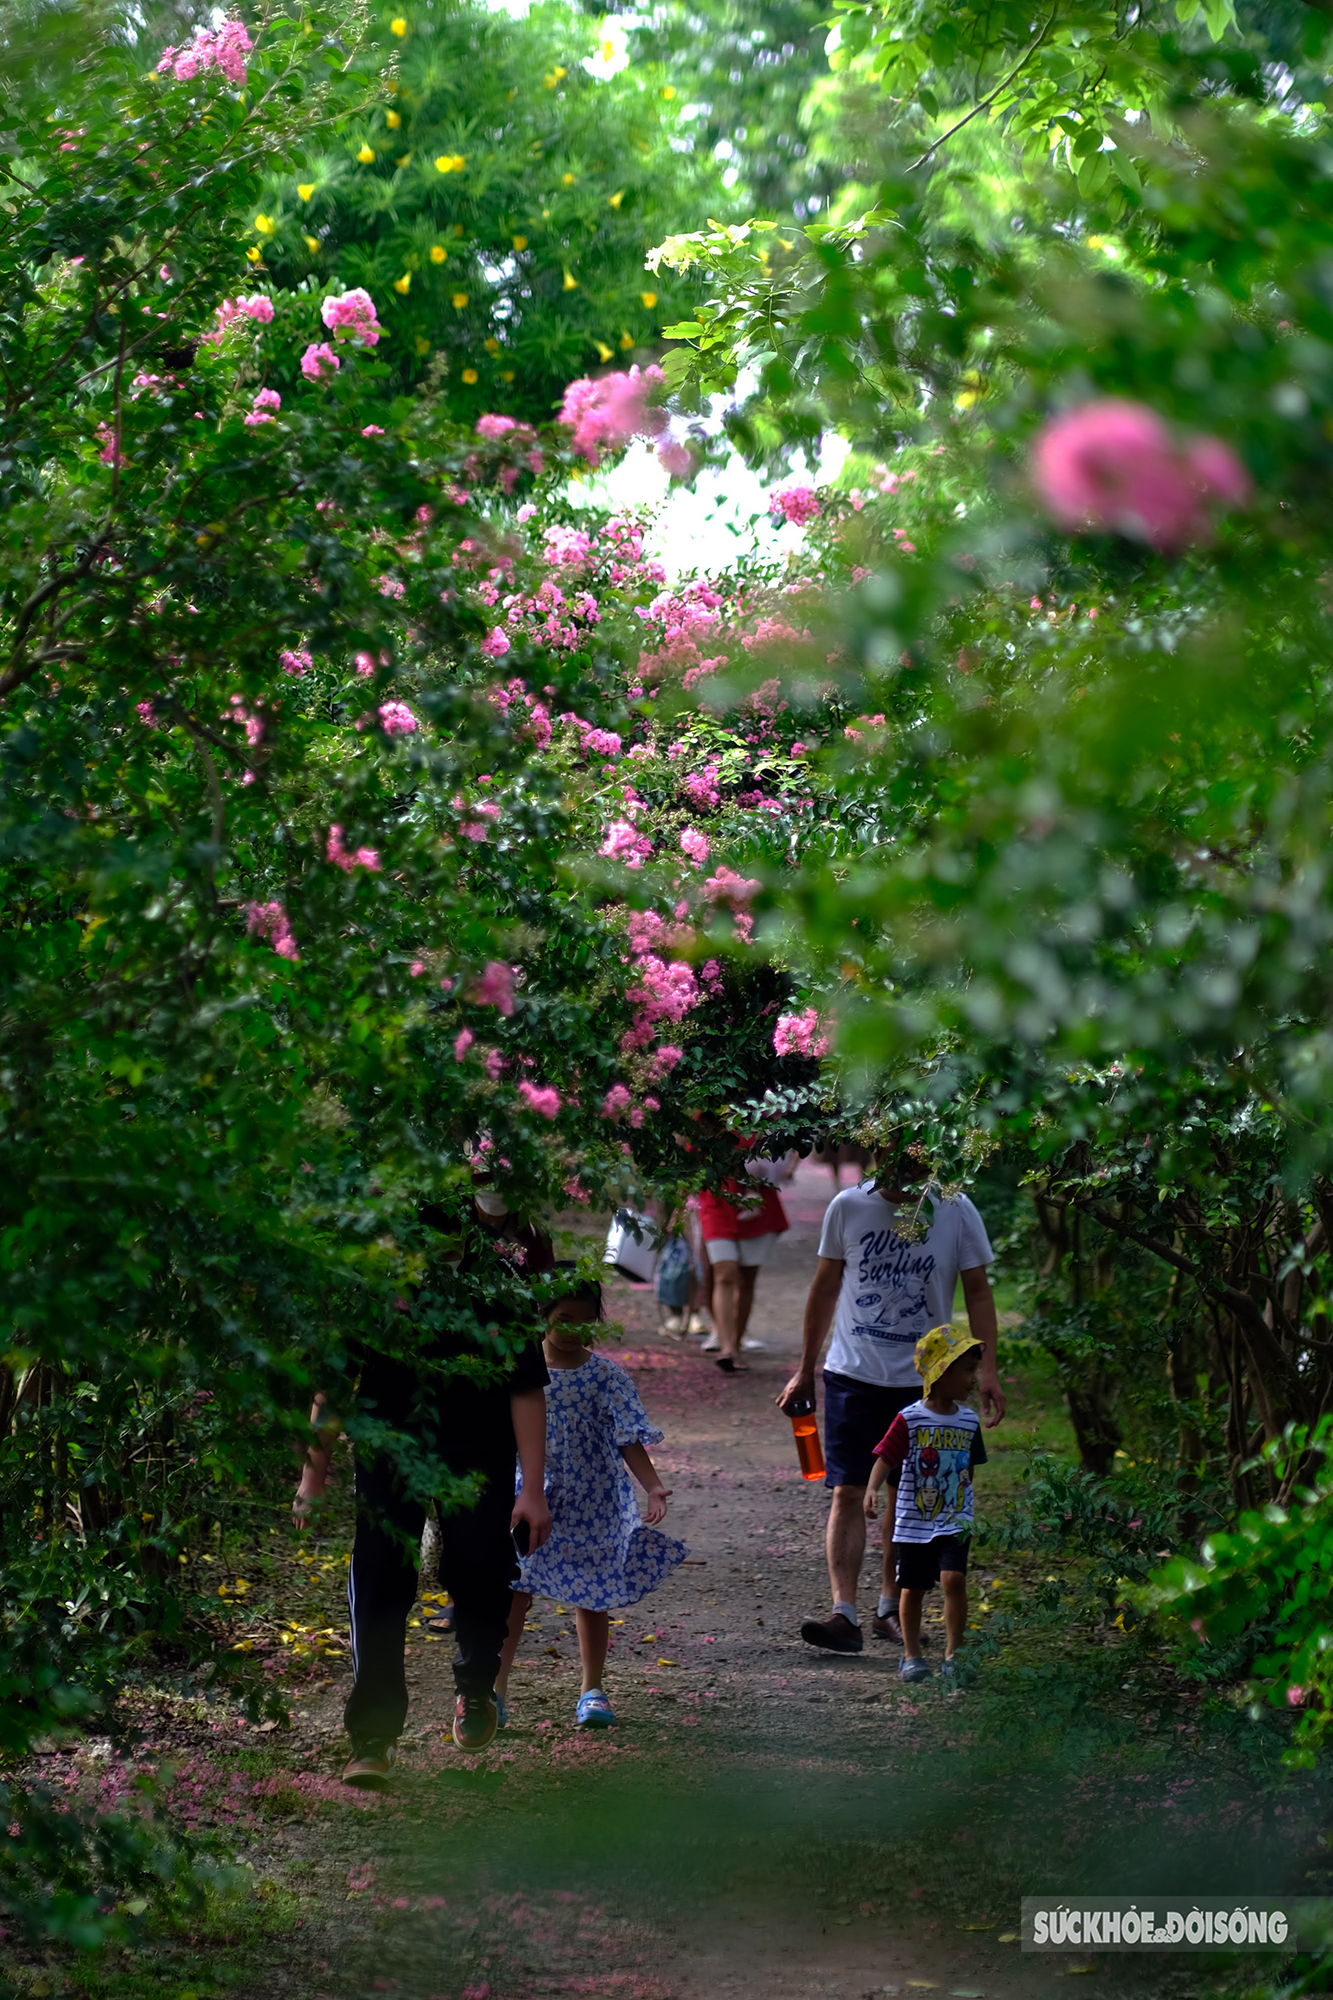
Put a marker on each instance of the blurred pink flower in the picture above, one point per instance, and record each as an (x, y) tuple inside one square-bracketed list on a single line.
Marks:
[(624, 843), (224, 48), (695, 845), (319, 360), (1114, 464), (543, 1100), (612, 410), (365, 666), (265, 403), (351, 316), (397, 718), (491, 426), (799, 1035), (495, 987), (496, 643), (347, 858), (269, 921), (676, 458), (462, 1043), (297, 663), (797, 504), (616, 1102)]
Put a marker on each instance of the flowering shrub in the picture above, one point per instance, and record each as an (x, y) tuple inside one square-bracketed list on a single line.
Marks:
[(1114, 464)]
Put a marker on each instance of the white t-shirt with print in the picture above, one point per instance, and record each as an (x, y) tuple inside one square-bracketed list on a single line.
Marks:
[(893, 1292)]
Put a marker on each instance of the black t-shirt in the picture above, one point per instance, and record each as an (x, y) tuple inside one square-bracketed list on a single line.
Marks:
[(462, 1411)]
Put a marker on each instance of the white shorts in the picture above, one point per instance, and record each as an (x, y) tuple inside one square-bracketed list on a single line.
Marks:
[(750, 1251)]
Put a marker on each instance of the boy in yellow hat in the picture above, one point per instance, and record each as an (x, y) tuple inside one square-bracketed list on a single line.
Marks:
[(929, 1453)]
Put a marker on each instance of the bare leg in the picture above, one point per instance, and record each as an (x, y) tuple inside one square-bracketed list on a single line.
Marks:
[(518, 1611), (594, 1629), (888, 1585), (846, 1542), (909, 1614), (954, 1582), (726, 1305), (749, 1276)]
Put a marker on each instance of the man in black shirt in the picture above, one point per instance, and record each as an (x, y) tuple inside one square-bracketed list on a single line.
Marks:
[(463, 1402)]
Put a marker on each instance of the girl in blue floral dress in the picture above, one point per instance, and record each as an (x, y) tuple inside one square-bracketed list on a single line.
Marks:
[(600, 1556)]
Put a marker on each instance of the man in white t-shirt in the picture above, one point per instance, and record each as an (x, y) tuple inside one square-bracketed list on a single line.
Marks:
[(880, 1292)]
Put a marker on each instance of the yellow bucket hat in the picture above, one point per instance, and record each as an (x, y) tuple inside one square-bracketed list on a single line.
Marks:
[(938, 1350)]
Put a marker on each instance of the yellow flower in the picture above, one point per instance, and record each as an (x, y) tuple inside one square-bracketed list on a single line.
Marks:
[(404, 159), (444, 163), (614, 200), (403, 284), (669, 91), (421, 344), (492, 346), (438, 253), (459, 163), (604, 353), (366, 156), (469, 376), (393, 119), (305, 189), (520, 242), (553, 76), (311, 243), (459, 301), (571, 283), (627, 340), (567, 180), (255, 256), (649, 300), (265, 224), (506, 374), (398, 26)]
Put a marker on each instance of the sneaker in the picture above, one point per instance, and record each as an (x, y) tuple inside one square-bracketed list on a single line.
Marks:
[(501, 1711), (754, 1346), (699, 1323), (949, 1671), (475, 1721), (712, 1345), (887, 1627), (370, 1766), (674, 1324), (593, 1711), (837, 1634), (913, 1670)]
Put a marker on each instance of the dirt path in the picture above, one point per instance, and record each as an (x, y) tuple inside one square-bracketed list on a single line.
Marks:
[(765, 1820)]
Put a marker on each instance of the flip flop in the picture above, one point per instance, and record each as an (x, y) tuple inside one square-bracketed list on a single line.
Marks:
[(441, 1621), (730, 1366)]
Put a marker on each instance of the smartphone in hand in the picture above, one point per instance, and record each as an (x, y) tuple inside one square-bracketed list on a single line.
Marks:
[(522, 1536)]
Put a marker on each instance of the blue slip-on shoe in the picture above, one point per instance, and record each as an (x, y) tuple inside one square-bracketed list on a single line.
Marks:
[(501, 1711), (594, 1711), (914, 1670)]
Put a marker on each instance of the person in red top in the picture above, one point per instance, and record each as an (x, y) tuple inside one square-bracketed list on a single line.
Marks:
[(740, 1227)]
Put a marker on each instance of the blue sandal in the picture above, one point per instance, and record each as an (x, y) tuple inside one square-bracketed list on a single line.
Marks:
[(594, 1711)]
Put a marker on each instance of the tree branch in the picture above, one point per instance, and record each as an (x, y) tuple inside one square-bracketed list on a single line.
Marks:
[(1001, 86)]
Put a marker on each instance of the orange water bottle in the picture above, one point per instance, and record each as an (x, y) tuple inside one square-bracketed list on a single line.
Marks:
[(806, 1432)]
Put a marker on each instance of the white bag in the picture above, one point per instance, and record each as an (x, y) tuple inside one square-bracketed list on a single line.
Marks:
[(632, 1244)]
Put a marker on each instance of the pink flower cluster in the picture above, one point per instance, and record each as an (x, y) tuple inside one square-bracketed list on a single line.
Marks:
[(616, 1102), (689, 620), (544, 1101), (496, 643), (493, 427), (694, 845), (495, 988), (1114, 464), (269, 921), (347, 858), (625, 843), (566, 548), (397, 718), (538, 724), (797, 504), (666, 992), (700, 787), (609, 412), (592, 741), (351, 316), (257, 307), (318, 361), (224, 48), (298, 662), (799, 1035), (261, 410)]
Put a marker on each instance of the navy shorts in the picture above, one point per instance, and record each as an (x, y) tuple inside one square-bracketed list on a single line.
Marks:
[(856, 1416), (919, 1564)]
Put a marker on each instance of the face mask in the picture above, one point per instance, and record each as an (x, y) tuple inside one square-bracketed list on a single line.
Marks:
[(491, 1204)]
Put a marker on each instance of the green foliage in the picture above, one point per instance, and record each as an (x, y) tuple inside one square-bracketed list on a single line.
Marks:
[(499, 199)]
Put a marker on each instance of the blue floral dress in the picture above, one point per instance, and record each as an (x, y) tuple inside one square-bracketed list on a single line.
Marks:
[(600, 1555)]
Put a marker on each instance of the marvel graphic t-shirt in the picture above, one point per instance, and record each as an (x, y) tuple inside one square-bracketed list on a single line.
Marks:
[(933, 1458), (892, 1291)]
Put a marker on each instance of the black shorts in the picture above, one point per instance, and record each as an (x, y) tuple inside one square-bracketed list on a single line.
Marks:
[(919, 1565), (856, 1417)]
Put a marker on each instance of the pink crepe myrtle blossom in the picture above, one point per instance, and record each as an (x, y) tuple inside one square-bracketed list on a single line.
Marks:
[(269, 921), (110, 454), (799, 1035), (574, 1188), (701, 787), (416, 968), (224, 48), (624, 843), (495, 987), (372, 430), (147, 714), (695, 845), (462, 1043), (496, 643), (495, 1065), (397, 718), (601, 743), (254, 727), (612, 410), (796, 503), (545, 1101), (797, 750), (566, 548), (1296, 1696), (298, 662), (675, 457), (727, 887), (364, 665), (493, 426), (257, 307), (318, 361), (1114, 464), (616, 1102), (710, 974), (664, 1060), (348, 858), (261, 410), (390, 586), (351, 316)]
